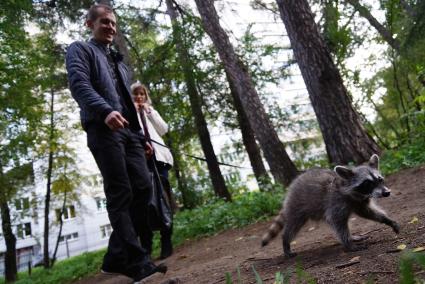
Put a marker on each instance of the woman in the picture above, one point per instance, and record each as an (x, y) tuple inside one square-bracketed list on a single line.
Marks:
[(154, 127)]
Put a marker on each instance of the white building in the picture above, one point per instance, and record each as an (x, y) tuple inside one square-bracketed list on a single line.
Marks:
[(85, 224)]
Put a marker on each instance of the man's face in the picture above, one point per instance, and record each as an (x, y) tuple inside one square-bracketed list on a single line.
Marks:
[(104, 27)]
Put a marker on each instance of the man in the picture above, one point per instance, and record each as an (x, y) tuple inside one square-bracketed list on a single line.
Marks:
[(99, 82)]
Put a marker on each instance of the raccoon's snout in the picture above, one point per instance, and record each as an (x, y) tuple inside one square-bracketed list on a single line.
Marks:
[(381, 191), (386, 193)]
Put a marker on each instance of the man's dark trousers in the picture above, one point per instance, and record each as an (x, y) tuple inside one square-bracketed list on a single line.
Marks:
[(120, 157)]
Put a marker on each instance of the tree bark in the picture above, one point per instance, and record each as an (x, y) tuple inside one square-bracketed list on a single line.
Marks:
[(46, 257), (60, 229), (281, 166), (345, 137), (382, 30), (182, 186), (217, 179), (10, 265), (248, 139)]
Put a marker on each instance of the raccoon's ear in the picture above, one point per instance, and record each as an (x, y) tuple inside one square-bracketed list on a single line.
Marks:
[(374, 161), (344, 172)]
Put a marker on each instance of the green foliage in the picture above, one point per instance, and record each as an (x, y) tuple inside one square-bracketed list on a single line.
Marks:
[(337, 33), (219, 215), (66, 271), (228, 278), (407, 267), (257, 276), (406, 156)]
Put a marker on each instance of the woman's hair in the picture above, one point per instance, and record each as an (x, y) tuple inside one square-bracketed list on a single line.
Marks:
[(138, 85), (94, 11)]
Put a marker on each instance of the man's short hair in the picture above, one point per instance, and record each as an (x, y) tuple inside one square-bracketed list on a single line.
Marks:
[(94, 11)]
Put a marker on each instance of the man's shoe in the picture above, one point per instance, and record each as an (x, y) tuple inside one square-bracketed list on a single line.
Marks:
[(110, 272), (149, 269)]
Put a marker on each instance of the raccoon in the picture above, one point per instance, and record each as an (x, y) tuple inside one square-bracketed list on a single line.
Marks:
[(332, 196)]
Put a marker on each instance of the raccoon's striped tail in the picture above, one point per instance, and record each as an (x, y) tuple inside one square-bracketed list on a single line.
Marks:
[(274, 229)]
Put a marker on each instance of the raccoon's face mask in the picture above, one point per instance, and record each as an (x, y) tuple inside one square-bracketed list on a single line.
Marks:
[(366, 180), (373, 188)]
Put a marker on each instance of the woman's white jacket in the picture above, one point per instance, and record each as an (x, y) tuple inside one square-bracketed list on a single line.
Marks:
[(157, 127)]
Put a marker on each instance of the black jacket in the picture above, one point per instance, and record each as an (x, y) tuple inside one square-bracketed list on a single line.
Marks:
[(92, 85)]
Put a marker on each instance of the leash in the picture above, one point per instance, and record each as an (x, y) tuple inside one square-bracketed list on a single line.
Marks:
[(200, 158)]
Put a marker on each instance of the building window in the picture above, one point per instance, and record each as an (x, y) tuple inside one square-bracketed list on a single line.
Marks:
[(105, 231), (68, 237), (101, 204), (22, 204), (232, 177), (68, 213), (23, 230)]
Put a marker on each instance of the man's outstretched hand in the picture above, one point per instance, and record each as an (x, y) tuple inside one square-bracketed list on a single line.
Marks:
[(115, 121)]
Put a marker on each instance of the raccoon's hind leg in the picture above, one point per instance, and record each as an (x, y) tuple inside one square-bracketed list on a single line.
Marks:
[(292, 227), (339, 223)]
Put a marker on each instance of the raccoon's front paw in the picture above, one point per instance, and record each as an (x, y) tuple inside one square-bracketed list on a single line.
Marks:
[(396, 227)]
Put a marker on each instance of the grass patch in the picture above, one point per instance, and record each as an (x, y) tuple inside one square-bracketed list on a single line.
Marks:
[(219, 215), (406, 156), (412, 268), (65, 271)]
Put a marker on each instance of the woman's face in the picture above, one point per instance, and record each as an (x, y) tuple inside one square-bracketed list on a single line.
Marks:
[(139, 96)]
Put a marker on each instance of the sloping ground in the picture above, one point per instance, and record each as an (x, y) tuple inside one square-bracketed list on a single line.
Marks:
[(319, 254)]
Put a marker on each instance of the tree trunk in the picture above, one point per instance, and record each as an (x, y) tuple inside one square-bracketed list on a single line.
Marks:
[(46, 257), (383, 31), (345, 137), (281, 166), (217, 179), (248, 139), (182, 186), (10, 240), (60, 229)]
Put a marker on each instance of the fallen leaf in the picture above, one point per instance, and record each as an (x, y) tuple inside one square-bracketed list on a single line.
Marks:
[(293, 243), (356, 258), (401, 247), (311, 229), (414, 220), (418, 249), (238, 239)]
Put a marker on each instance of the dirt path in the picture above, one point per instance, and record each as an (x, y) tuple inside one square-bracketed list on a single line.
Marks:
[(208, 260)]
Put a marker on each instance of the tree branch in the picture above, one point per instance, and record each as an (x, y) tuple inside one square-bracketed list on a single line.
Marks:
[(382, 30)]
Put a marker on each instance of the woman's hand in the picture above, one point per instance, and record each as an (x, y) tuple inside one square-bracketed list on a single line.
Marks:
[(146, 107)]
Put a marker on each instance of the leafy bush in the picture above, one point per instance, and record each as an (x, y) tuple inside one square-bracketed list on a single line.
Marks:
[(406, 156), (219, 215)]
